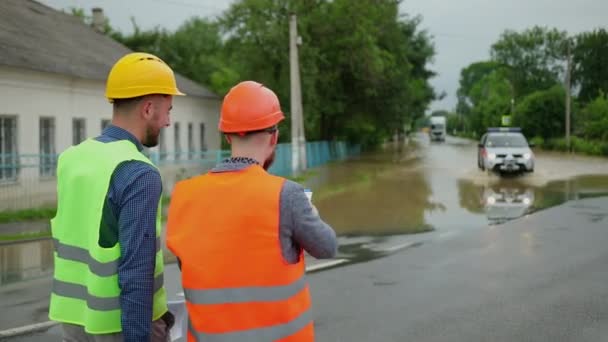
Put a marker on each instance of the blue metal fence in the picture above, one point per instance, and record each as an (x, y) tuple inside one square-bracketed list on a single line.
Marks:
[(317, 153), (28, 180)]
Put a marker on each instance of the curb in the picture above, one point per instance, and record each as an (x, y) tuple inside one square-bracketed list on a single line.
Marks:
[(26, 329)]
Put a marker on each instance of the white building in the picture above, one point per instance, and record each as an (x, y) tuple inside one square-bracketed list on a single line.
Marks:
[(52, 83)]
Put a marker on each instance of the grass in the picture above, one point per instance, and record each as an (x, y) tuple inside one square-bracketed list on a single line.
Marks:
[(27, 215), (24, 236), (306, 175)]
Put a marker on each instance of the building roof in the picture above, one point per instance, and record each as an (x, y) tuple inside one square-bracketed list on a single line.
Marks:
[(37, 37)]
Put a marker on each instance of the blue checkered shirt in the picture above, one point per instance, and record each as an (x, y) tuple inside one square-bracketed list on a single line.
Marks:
[(129, 217)]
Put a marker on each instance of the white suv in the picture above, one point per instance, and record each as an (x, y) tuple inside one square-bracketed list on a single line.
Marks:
[(505, 150)]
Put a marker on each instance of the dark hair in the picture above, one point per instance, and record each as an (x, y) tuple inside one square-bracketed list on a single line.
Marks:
[(126, 104)]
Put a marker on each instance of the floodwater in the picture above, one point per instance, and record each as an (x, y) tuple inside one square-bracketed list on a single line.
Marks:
[(419, 187)]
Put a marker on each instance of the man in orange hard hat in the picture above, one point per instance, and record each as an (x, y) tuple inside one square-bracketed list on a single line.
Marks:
[(108, 275), (239, 234)]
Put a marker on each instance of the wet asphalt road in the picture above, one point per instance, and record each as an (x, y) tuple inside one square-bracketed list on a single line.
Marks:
[(542, 278)]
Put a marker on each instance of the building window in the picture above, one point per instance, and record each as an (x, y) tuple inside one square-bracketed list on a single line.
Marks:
[(9, 159), (78, 131), (105, 123), (191, 151), (162, 145), (48, 159), (202, 136), (178, 146)]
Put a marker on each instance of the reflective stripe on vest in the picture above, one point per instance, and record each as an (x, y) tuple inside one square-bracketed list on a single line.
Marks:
[(245, 294), (76, 291), (102, 269), (265, 334)]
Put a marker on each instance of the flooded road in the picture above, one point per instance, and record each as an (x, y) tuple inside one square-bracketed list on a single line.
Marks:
[(418, 188), (377, 201), (438, 186)]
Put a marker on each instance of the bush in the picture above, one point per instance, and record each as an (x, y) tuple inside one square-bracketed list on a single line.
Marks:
[(557, 144), (585, 146), (578, 145), (538, 141), (593, 120), (542, 113)]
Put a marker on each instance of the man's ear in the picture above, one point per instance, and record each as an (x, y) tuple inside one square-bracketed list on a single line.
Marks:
[(146, 109), (275, 138)]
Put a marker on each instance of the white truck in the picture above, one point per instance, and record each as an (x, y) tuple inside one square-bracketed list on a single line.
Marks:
[(437, 131)]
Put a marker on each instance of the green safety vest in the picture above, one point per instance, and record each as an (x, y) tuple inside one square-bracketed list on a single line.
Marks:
[(85, 283)]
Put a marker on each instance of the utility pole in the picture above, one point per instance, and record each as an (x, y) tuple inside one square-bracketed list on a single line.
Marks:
[(568, 81), (298, 140)]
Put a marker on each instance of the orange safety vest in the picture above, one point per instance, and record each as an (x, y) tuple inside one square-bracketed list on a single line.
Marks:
[(224, 228)]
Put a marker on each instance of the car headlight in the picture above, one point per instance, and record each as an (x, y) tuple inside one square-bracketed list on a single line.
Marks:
[(491, 200), (527, 201), (527, 156), (492, 156)]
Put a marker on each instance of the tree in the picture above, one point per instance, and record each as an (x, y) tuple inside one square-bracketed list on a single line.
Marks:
[(196, 51), (484, 96), (469, 77), (590, 67), (535, 57), (541, 114), (364, 66)]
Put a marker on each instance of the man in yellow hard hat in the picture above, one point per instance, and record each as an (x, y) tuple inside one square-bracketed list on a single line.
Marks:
[(240, 232), (108, 277)]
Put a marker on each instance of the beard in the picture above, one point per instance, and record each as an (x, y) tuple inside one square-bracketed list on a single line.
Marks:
[(151, 138), (268, 162)]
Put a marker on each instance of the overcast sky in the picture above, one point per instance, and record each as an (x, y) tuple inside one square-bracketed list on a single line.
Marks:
[(463, 30)]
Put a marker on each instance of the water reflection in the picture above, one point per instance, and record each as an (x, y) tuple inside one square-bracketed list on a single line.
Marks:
[(502, 204), (25, 261), (376, 195), (508, 199)]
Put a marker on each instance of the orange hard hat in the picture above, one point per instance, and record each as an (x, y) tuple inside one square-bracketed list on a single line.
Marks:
[(249, 106)]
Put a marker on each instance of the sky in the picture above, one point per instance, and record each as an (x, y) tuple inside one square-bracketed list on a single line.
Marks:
[(463, 31)]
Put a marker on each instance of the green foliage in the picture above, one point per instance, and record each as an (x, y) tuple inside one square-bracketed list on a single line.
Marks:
[(455, 123), (27, 215), (542, 113), (537, 141), (363, 65), (590, 66), (528, 68), (578, 145), (469, 77), (491, 96), (592, 122), (24, 236), (535, 58)]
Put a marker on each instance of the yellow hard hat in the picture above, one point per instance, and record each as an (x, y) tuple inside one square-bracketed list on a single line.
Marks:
[(137, 74)]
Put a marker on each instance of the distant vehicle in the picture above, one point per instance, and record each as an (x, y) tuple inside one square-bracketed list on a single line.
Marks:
[(505, 204), (505, 150), (438, 129)]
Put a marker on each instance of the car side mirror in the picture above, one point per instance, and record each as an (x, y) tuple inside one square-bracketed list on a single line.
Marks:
[(480, 145), (531, 145)]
